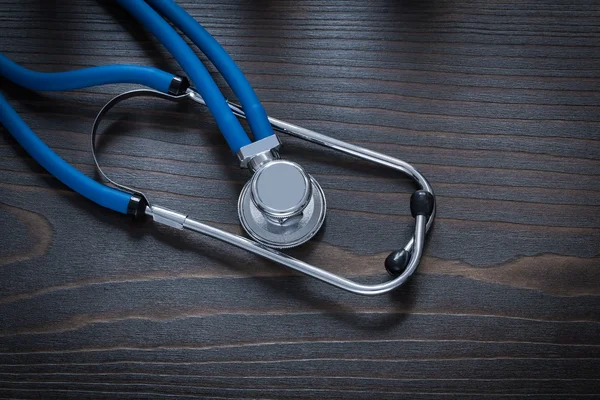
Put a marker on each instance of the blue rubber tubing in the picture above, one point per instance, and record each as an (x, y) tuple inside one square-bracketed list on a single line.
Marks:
[(257, 117), (229, 125), (82, 78), (63, 171)]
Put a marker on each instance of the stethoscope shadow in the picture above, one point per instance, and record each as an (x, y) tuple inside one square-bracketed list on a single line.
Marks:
[(329, 301)]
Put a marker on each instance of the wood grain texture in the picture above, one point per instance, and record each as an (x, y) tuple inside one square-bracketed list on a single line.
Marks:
[(498, 103)]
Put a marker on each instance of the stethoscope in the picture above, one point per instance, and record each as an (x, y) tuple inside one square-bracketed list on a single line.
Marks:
[(281, 206)]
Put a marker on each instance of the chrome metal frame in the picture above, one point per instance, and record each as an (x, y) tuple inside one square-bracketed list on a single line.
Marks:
[(182, 221)]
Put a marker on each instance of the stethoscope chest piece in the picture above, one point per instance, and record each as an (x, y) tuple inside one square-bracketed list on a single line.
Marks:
[(281, 206)]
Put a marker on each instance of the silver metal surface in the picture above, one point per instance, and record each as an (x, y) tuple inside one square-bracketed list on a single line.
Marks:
[(257, 153), (258, 160), (282, 206), (281, 189), (166, 217)]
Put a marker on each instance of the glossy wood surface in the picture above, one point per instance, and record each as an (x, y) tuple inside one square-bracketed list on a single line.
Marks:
[(496, 102)]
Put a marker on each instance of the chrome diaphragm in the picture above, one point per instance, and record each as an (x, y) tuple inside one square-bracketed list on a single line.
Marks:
[(281, 206)]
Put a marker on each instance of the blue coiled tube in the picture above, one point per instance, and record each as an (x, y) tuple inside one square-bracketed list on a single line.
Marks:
[(82, 184), (228, 124), (257, 117), (82, 78)]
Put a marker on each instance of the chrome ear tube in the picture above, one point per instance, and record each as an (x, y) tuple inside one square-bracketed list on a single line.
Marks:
[(283, 206)]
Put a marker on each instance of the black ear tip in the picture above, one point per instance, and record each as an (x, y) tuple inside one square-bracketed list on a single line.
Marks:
[(422, 203), (397, 262)]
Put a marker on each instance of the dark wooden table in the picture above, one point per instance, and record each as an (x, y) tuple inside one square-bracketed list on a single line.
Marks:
[(497, 103)]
